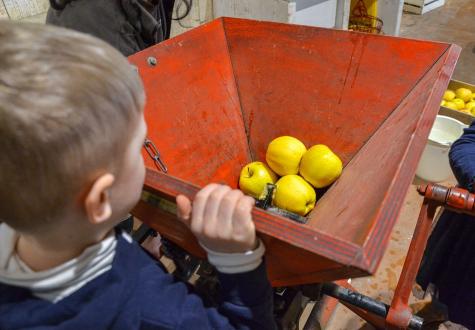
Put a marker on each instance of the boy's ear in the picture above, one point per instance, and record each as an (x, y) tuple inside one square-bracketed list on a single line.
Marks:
[(97, 202)]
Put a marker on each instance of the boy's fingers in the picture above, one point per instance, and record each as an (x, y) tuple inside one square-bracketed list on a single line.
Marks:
[(183, 209), (210, 214), (198, 207), (242, 219), (225, 213)]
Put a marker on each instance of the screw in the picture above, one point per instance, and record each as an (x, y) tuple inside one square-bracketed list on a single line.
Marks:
[(152, 61)]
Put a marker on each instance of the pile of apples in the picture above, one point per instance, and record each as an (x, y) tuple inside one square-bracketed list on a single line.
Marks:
[(300, 171), (462, 99)]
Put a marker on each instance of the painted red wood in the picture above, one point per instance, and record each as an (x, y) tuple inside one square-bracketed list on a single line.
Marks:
[(219, 93), (319, 85), (189, 122)]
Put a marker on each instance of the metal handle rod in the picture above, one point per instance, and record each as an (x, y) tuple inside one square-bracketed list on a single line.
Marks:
[(456, 199), (364, 302)]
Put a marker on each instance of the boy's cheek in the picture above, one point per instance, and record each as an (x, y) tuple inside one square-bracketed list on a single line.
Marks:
[(140, 179), (143, 171)]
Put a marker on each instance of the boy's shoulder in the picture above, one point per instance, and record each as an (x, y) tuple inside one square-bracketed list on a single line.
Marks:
[(136, 292)]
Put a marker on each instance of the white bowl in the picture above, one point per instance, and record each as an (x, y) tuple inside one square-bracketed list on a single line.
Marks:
[(434, 164)]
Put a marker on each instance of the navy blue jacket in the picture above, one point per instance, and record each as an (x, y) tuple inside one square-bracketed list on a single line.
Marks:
[(137, 293), (449, 259)]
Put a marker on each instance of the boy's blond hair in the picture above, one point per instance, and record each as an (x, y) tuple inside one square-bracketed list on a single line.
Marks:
[(68, 103)]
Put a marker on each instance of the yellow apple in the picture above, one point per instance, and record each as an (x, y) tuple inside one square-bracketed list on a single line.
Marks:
[(449, 95), (470, 105), (283, 155), (451, 105), (294, 194), (320, 166), (464, 93), (459, 103), (254, 178)]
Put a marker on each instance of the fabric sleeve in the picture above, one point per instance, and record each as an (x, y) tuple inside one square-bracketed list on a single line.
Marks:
[(233, 263), (246, 302), (126, 25)]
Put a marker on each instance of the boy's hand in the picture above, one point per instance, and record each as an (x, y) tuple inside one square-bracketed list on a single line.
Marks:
[(220, 218)]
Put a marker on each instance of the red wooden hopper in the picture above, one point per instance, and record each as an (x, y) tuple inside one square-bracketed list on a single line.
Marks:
[(217, 95)]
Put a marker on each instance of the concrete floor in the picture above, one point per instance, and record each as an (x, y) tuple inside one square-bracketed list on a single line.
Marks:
[(381, 286), (452, 23)]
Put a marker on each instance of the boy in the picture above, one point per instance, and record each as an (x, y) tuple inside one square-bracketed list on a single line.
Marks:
[(68, 175), (127, 25)]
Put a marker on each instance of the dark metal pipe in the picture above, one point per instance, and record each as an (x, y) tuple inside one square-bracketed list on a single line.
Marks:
[(416, 322), (364, 302), (356, 299)]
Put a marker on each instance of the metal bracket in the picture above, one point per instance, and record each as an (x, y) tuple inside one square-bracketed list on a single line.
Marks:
[(151, 61), (155, 155), (159, 202), (265, 202)]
